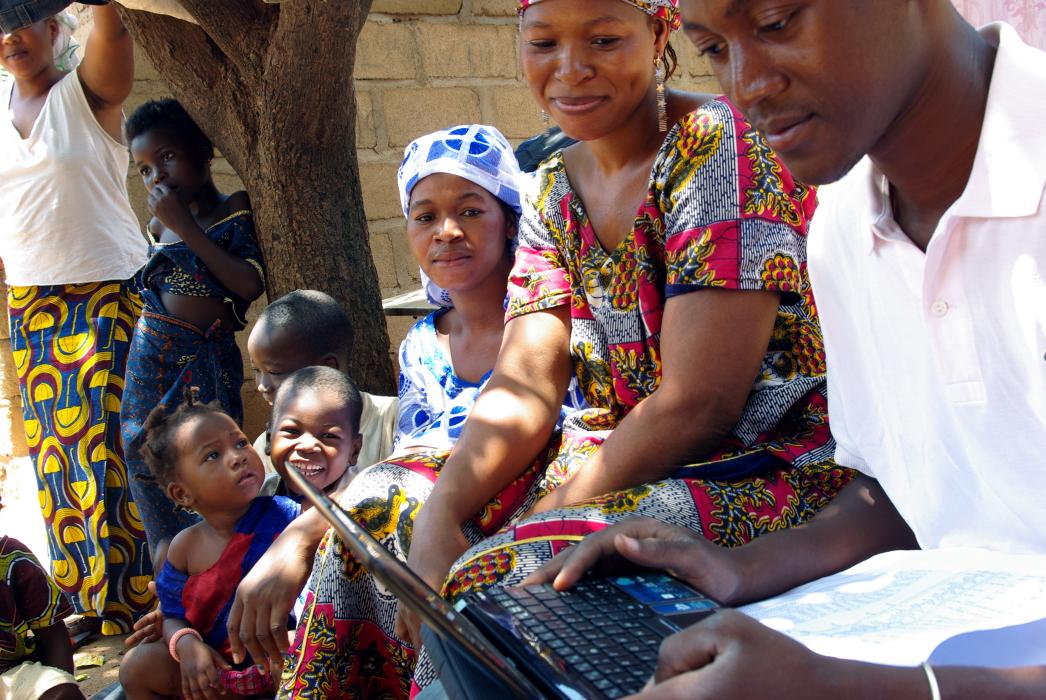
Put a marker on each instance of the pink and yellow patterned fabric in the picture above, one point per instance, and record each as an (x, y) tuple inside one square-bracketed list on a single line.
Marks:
[(721, 212), (667, 10)]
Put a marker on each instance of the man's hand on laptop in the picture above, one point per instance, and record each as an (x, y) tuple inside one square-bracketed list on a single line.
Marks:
[(730, 655), (645, 542)]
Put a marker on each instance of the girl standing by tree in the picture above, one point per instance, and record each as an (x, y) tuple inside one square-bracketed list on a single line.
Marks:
[(204, 272)]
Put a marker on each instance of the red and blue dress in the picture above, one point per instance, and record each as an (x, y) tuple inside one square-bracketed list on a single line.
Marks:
[(205, 599)]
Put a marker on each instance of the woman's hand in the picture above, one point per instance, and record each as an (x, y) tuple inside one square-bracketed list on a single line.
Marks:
[(715, 571), (200, 667), (164, 204), (436, 544)]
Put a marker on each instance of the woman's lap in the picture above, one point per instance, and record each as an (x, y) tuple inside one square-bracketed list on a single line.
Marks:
[(348, 639)]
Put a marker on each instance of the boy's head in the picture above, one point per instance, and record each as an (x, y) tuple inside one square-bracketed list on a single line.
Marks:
[(315, 426), (300, 329), (199, 456)]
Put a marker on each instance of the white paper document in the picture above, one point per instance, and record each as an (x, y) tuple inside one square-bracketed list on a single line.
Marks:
[(899, 607)]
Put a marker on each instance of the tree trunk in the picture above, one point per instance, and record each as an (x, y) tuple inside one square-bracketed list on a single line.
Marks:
[(272, 86)]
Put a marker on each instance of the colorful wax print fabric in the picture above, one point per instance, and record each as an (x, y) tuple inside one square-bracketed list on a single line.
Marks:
[(721, 212), (70, 350), (29, 600)]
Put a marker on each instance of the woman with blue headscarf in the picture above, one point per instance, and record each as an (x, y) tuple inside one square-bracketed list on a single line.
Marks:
[(460, 197), (460, 192)]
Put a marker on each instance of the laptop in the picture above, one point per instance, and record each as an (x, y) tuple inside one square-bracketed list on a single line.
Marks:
[(598, 640)]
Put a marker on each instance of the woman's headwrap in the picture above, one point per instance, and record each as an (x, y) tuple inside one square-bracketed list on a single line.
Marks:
[(667, 10), (477, 153), (65, 58)]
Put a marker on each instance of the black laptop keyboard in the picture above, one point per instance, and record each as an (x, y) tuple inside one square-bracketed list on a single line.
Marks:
[(594, 629)]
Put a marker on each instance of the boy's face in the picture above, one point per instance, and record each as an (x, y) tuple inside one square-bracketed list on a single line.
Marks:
[(313, 434), (275, 357), (823, 80)]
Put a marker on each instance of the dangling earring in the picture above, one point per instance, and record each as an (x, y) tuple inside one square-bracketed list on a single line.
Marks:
[(546, 120), (662, 101)]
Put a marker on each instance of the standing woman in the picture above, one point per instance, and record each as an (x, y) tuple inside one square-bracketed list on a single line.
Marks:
[(70, 243)]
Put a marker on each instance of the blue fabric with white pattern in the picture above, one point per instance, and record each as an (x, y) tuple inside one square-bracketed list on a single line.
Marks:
[(433, 401)]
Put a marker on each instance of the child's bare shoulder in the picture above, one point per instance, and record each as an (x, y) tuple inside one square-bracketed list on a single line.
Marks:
[(182, 544)]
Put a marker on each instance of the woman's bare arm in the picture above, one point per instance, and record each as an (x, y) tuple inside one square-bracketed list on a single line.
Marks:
[(712, 345), (107, 71), (513, 417)]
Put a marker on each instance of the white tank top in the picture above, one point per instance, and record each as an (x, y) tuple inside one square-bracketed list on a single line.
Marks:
[(64, 213)]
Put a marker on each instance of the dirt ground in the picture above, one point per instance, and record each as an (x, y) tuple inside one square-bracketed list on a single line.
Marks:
[(93, 679)]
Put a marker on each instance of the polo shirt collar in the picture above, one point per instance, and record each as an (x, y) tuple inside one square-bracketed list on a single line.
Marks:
[(1007, 179)]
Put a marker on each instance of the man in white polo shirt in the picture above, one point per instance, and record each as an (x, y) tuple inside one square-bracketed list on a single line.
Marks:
[(927, 257)]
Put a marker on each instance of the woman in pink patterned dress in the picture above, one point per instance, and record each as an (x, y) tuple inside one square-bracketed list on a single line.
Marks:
[(662, 263)]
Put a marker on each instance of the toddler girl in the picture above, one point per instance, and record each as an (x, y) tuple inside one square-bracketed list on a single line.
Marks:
[(202, 460)]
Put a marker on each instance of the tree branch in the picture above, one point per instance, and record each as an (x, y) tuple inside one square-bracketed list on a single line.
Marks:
[(167, 42), (240, 28)]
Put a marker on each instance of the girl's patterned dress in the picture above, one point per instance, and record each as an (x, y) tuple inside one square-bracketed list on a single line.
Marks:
[(168, 355), (722, 212)]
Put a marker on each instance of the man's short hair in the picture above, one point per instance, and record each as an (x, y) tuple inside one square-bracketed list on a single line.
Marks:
[(314, 319)]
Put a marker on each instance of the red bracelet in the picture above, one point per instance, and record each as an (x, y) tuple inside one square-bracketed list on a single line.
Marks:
[(171, 646)]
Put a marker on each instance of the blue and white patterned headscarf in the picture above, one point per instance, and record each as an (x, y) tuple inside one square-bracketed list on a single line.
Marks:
[(477, 153)]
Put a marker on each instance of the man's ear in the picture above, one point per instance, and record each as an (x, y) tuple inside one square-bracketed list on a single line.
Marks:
[(177, 492)]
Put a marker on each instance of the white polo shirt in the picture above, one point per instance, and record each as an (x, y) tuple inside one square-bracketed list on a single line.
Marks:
[(937, 360)]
